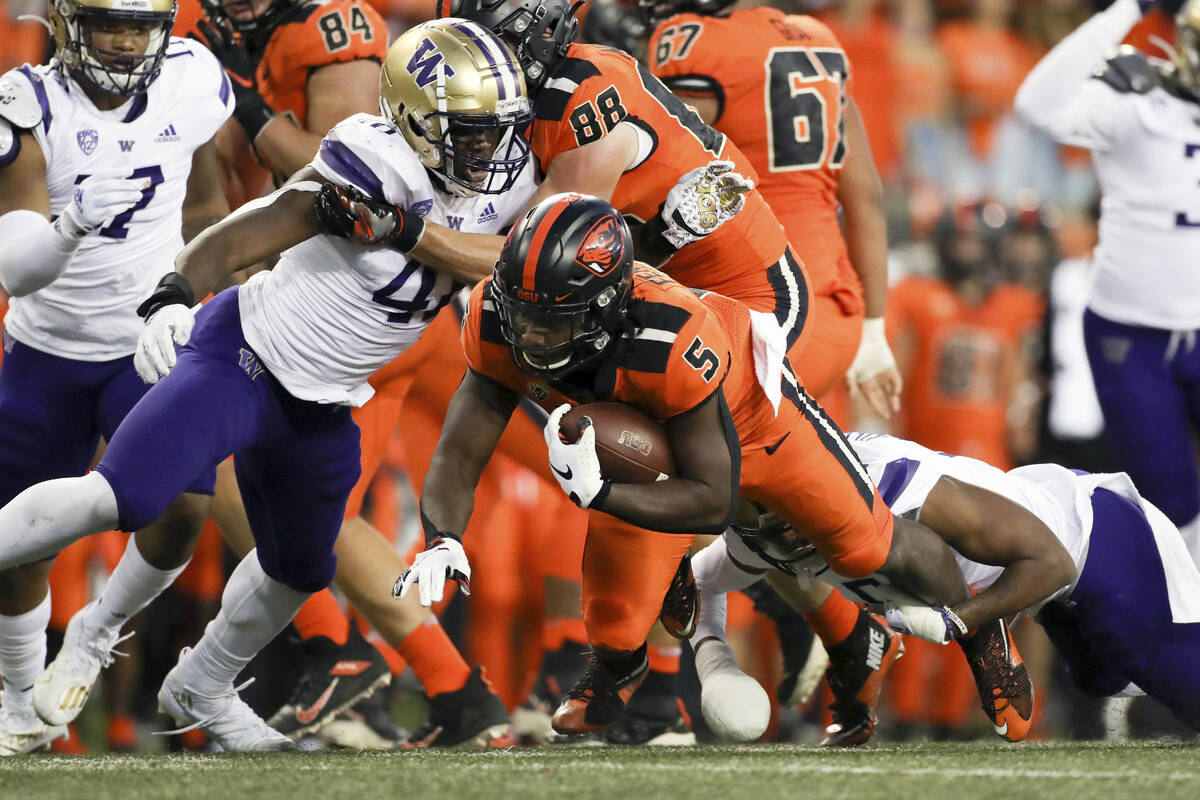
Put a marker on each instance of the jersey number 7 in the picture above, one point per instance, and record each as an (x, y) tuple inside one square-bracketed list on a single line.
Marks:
[(797, 110), (119, 227)]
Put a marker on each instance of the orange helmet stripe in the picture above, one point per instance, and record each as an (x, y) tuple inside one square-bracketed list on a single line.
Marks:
[(529, 275)]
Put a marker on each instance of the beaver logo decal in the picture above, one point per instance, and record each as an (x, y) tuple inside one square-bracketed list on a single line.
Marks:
[(602, 249)]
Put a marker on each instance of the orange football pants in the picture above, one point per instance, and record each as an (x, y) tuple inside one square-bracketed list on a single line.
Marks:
[(834, 328)]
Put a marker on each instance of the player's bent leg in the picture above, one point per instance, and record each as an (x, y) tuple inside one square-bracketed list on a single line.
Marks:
[(22, 654), (48, 516)]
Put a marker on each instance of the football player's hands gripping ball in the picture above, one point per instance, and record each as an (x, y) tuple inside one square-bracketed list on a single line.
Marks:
[(442, 559), (155, 354), (702, 201), (936, 624), (575, 466), (349, 214), (97, 199)]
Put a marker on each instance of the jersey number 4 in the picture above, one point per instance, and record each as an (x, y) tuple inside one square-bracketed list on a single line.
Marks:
[(797, 111), (333, 28)]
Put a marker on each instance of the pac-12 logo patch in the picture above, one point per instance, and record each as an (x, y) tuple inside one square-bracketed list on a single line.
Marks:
[(88, 139), (603, 247), (426, 63), (421, 207), (537, 391)]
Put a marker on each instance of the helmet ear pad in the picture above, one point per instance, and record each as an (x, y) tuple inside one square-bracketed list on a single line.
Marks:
[(569, 259)]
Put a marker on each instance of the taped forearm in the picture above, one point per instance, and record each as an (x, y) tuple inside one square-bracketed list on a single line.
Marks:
[(35, 252), (1056, 79)]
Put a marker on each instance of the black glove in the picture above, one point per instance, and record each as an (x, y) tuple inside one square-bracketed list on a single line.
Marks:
[(349, 214), (250, 109)]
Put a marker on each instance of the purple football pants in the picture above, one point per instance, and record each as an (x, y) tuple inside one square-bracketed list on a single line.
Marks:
[(296, 461)]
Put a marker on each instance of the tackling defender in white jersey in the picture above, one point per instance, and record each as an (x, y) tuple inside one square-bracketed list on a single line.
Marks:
[(113, 141), (1140, 117), (1104, 571), (271, 368)]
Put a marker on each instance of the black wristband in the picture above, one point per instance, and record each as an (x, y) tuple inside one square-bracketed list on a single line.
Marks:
[(432, 533), (172, 289), (649, 243), (601, 496), (412, 228), (252, 112)]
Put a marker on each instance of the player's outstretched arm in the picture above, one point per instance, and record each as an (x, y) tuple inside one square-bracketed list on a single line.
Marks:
[(702, 496), (991, 529), (36, 251), (477, 416), (860, 192)]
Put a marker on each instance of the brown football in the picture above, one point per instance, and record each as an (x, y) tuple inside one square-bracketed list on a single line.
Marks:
[(632, 448)]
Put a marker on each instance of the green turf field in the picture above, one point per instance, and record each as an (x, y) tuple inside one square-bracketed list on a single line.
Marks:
[(1142, 771)]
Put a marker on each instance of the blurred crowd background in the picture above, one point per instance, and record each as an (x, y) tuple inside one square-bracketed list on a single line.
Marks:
[(991, 228)]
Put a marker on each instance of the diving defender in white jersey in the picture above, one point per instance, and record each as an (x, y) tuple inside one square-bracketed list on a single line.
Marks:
[(113, 142), (1140, 117), (1104, 571), (272, 367)]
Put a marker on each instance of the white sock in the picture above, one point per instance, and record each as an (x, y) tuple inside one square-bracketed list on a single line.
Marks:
[(23, 655), (254, 609), (710, 622), (134, 583), (716, 573), (48, 516)]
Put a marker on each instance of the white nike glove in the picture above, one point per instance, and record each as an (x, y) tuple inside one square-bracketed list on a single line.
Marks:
[(873, 372), (155, 355), (97, 199), (442, 559), (575, 465), (936, 624), (702, 201)]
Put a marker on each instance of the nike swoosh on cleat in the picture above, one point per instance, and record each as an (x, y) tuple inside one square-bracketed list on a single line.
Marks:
[(565, 475), (307, 715), (772, 448), (1001, 729)]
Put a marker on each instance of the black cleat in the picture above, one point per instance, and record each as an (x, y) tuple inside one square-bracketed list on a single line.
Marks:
[(599, 697), (681, 605), (367, 725), (856, 670), (633, 728), (473, 716), (333, 678), (1001, 679)]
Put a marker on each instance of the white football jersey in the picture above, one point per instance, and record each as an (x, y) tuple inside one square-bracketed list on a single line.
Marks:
[(1145, 143), (333, 312), (89, 313)]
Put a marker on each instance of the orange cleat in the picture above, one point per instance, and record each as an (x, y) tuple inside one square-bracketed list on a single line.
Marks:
[(1005, 689), (681, 605), (598, 699), (855, 674)]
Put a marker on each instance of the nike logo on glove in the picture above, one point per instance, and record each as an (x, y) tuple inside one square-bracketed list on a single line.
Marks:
[(565, 475)]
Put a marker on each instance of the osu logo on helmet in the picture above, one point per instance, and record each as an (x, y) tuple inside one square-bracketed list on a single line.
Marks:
[(603, 247)]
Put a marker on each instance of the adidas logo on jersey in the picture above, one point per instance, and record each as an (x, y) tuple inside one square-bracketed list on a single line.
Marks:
[(489, 214), (168, 135)]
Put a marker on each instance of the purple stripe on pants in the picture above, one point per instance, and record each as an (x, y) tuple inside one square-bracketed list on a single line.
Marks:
[(296, 461)]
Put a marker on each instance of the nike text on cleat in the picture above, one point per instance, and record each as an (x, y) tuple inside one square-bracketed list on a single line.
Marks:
[(597, 700), (225, 718), (473, 716), (333, 678), (857, 667), (64, 686)]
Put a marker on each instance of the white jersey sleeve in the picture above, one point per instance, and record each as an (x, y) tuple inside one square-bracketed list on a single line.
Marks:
[(89, 313), (366, 153), (1060, 97)]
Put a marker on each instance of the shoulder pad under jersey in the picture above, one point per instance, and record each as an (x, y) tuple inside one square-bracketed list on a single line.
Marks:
[(1129, 71), (19, 110)]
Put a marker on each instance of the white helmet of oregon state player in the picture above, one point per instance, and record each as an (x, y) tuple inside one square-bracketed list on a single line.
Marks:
[(133, 40), (1187, 47), (456, 94)]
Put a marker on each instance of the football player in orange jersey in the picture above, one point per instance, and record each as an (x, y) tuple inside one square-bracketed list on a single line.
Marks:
[(298, 67), (782, 96), (568, 318)]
